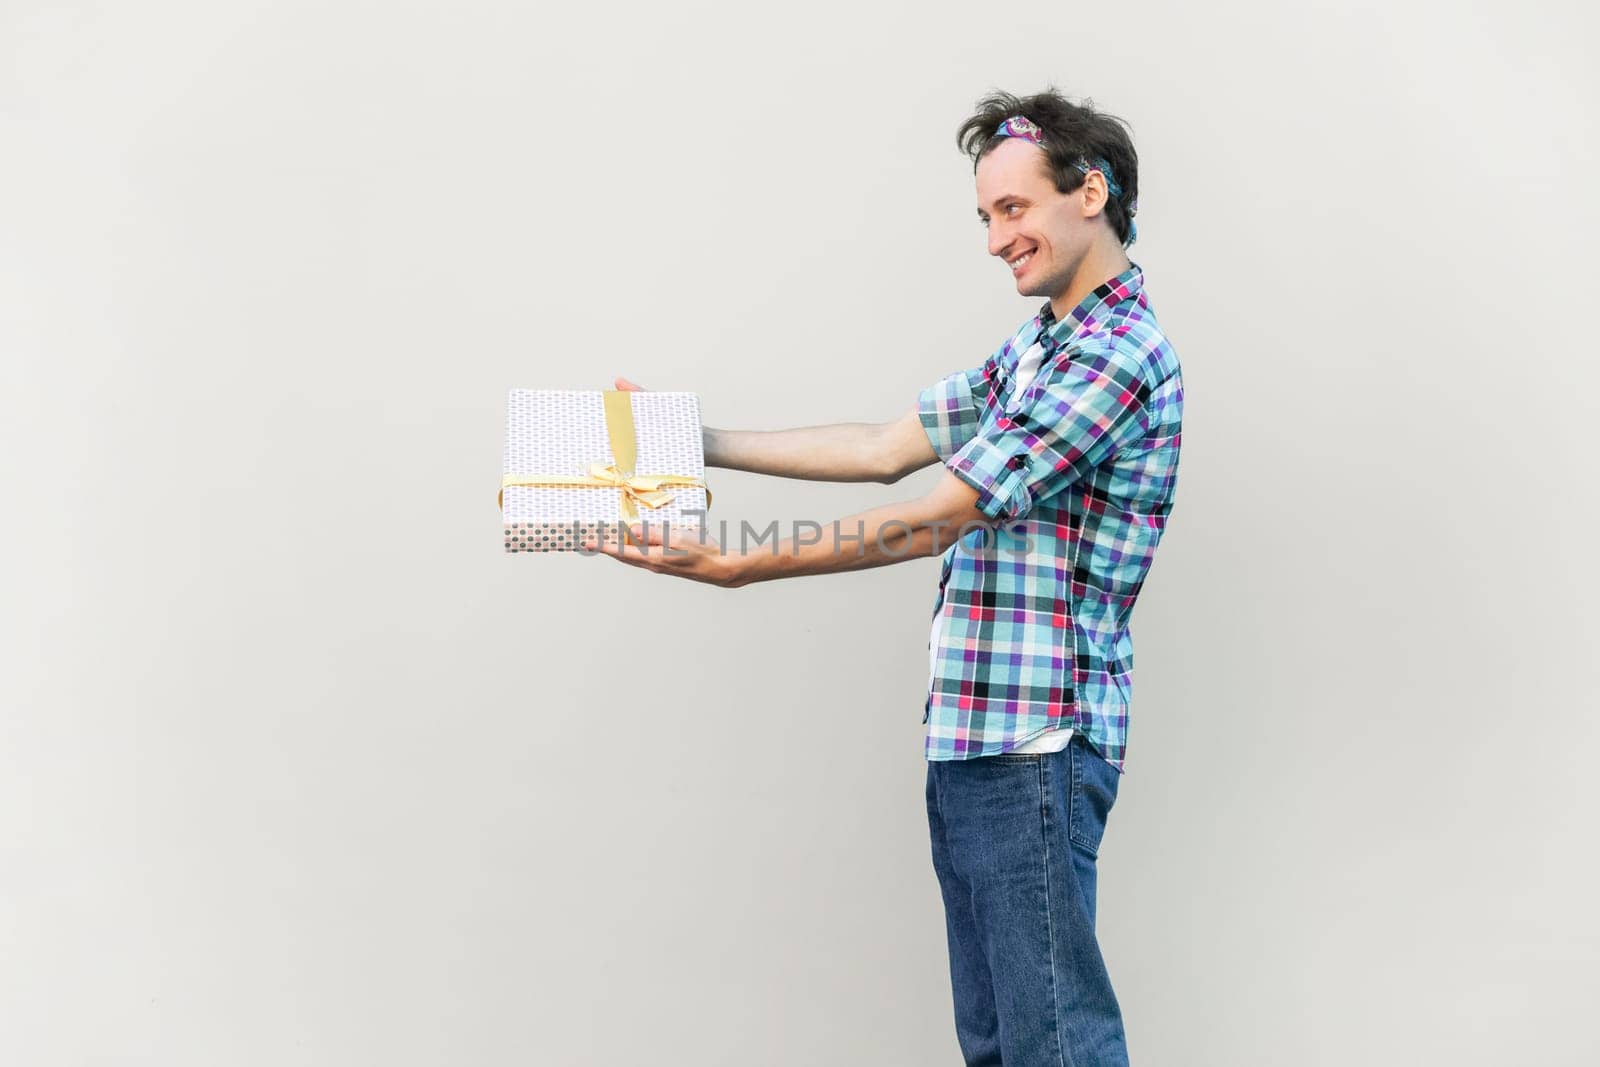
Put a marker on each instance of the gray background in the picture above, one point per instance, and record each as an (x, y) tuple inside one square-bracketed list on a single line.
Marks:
[(298, 767)]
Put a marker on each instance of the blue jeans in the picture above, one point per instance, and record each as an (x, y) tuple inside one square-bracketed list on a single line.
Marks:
[(1014, 845)]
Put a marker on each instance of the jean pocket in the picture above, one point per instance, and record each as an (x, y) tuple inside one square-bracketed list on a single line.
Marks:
[(1094, 791)]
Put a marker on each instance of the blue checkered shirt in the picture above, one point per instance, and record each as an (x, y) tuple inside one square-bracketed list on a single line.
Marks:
[(1031, 624)]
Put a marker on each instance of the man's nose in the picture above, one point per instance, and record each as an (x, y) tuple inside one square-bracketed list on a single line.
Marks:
[(999, 237)]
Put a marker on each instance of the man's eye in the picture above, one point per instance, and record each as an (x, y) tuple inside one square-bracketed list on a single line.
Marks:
[(1009, 208)]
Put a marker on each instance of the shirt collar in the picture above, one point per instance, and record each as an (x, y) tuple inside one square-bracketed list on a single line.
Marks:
[(1092, 310), (1082, 320)]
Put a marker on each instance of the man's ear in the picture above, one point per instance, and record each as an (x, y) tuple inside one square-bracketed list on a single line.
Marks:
[(1094, 194)]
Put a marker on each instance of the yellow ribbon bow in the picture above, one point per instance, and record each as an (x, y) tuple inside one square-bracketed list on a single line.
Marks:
[(636, 489), (646, 489)]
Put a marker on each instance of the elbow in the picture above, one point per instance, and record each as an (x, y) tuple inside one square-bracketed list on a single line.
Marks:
[(895, 469), (890, 475), (900, 448), (955, 503)]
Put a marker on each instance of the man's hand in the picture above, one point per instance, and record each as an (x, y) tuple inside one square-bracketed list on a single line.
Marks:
[(907, 529), (681, 555)]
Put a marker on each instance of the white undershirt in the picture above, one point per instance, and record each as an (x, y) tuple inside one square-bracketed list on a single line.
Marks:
[(1050, 740)]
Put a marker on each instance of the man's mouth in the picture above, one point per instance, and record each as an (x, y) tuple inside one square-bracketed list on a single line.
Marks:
[(1021, 261)]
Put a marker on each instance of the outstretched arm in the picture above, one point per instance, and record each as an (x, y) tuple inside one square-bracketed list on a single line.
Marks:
[(843, 452), (892, 533)]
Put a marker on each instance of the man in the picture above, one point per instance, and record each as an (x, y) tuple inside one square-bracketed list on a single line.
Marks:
[(1060, 455)]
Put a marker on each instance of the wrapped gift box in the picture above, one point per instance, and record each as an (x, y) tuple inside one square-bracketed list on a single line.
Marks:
[(577, 461)]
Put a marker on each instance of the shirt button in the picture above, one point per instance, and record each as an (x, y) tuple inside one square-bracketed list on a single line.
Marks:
[(1018, 462)]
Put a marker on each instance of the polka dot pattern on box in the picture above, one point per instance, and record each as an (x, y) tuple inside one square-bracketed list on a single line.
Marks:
[(550, 431)]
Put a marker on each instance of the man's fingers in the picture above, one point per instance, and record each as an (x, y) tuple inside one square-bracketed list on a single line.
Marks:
[(624, 384), (626, 537)]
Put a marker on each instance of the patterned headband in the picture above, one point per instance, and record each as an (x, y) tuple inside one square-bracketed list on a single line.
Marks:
[(1020, 126)]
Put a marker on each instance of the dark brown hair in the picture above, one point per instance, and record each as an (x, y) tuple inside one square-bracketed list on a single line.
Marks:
[(1072, 132)]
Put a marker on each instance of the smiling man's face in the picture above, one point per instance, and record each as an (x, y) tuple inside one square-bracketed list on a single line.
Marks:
[(1042, 234)]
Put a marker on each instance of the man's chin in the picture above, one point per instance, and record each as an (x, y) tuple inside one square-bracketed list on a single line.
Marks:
[(1033, 287), (1048, 288)]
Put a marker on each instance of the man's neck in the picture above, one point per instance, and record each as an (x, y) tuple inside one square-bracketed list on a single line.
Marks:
[(1104, 261)]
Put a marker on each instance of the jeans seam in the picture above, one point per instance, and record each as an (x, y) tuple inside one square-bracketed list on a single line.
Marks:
[(1074, 790), (1049, 917)]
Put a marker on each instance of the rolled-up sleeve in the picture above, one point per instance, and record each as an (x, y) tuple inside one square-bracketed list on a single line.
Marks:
[(1081, 410), (950, 410)]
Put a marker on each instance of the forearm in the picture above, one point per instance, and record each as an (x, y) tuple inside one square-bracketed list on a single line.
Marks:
[(843, 452), (891, 533)]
